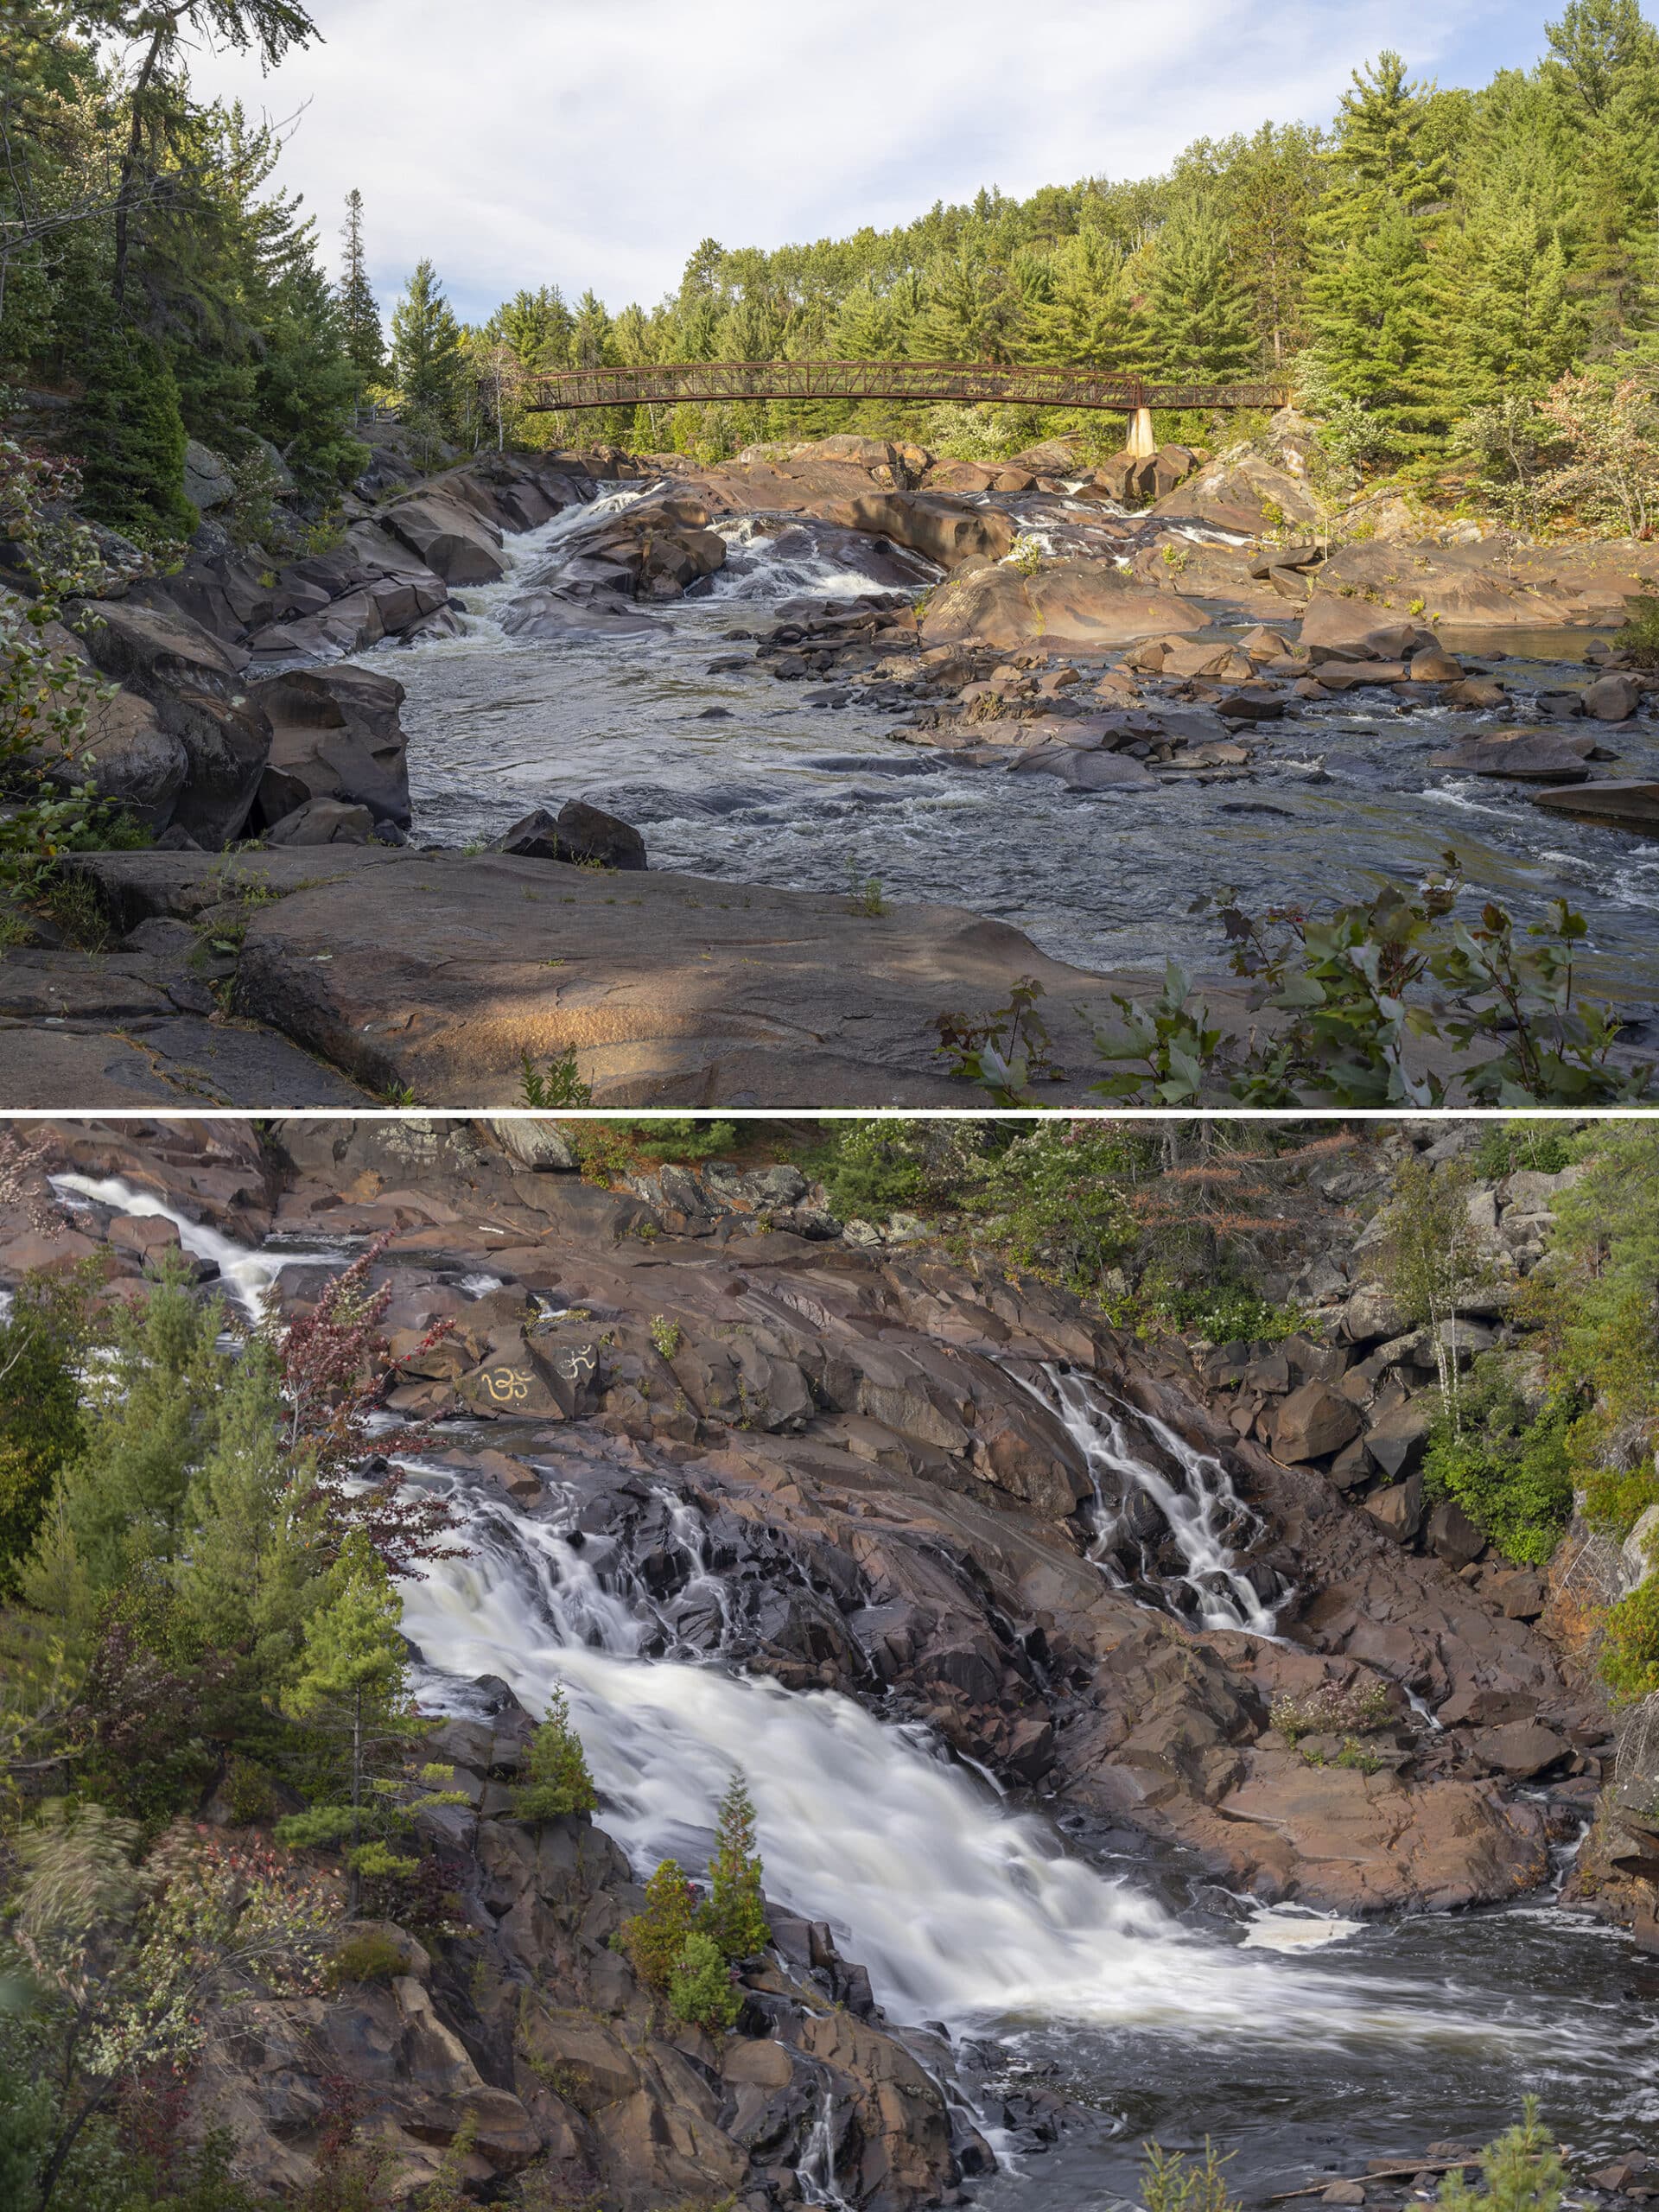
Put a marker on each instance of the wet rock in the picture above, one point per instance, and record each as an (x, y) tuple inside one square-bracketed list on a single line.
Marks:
[(1614, 804), (1612, 698), (1527, 756), (459, 546), (579, 833)]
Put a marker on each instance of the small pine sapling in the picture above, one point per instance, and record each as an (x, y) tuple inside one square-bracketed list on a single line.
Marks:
[(560, 1782), (734, 1912)]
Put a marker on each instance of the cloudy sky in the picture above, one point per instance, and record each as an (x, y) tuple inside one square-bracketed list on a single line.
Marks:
[(593, 143)]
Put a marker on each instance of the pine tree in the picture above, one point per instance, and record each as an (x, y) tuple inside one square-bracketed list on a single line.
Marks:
[(560, 1782), (366, 344), (1199, 310), (41, 1339), (536, 325), (128, 426), (1088, 318), (970, 313), (1603, 71), (426, 360), (250, 1560), (592, 339), (1377, 345), (1271, 189), (1509, 324), (153, 1414), (1383, 153), (350, 1679), (734, 1914)]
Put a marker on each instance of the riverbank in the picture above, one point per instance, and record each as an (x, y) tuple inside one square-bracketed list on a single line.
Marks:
[(1076, 724)]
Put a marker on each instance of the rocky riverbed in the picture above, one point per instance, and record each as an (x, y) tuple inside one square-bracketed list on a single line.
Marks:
[(1114, 1708), (1020, 709)]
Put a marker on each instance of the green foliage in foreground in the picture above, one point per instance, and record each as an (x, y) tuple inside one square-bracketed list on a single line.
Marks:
[(1351, 992), (1521, 2171), (1639, 636), (1510, 1468)]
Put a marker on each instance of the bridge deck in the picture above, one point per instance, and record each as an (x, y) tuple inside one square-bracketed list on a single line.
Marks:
[(667, 383)]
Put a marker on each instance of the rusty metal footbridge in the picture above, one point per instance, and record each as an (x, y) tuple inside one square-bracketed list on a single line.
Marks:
[(670, 383)]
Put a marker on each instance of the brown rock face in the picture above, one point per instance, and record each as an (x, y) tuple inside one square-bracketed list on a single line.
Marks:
[(335, 734), (1065, 606), (1312, 1422)]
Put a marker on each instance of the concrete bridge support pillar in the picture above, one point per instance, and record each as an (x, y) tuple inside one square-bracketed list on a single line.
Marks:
[(1141, 440)]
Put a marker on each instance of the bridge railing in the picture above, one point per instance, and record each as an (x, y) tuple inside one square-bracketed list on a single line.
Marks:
[(670, 383)]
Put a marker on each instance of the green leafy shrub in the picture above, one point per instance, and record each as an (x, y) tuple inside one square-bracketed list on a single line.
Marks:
[(653, 1940), (250, 1791), (562, 1084), (560, 1782), (1509, 1469), (666, 1335), (700, 1989), (1639, 635), (1630, 1650), (1352, 992), (1540, 1147), (368, 1954), (1615, 1498)]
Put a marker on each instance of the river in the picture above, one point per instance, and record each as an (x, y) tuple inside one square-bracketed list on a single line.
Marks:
[(767, 789)]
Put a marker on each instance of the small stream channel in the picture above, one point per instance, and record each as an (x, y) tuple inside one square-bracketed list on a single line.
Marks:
[(734, 775)]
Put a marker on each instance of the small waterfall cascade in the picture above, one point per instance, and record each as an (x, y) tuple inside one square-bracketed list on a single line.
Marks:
[(248, 1275), (1197, 1502), (816, 2171)]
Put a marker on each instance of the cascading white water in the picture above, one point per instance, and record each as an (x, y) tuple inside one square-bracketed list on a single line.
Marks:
[(816, 2171), (1198, 1508), (248, 1275), (960, 1911)]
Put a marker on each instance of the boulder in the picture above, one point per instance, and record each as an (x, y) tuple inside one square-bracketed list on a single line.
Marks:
[(941, 529), (207, 479), (1244, 492), (1618, 803), (1372, 1315), (1453, 1537), (1521, 1748), (581, 833), (459, 546), (335, 734), (1312, 1422), (1341, 627), (192, 679), (1398, 1509), (323, 822), (1544, 756), (1396, 1443), (1612, 698), (1074, 606)]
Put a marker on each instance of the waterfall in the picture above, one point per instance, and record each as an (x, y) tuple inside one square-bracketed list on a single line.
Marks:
[(961, 1911), (817, 2171), (248, 1275), (1201, 1507)]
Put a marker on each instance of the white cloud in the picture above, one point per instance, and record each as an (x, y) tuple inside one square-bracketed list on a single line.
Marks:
[(595, 142)]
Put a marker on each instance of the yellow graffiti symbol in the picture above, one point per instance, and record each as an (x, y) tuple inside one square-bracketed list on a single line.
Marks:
[(573, 1365), (506, 1385)]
